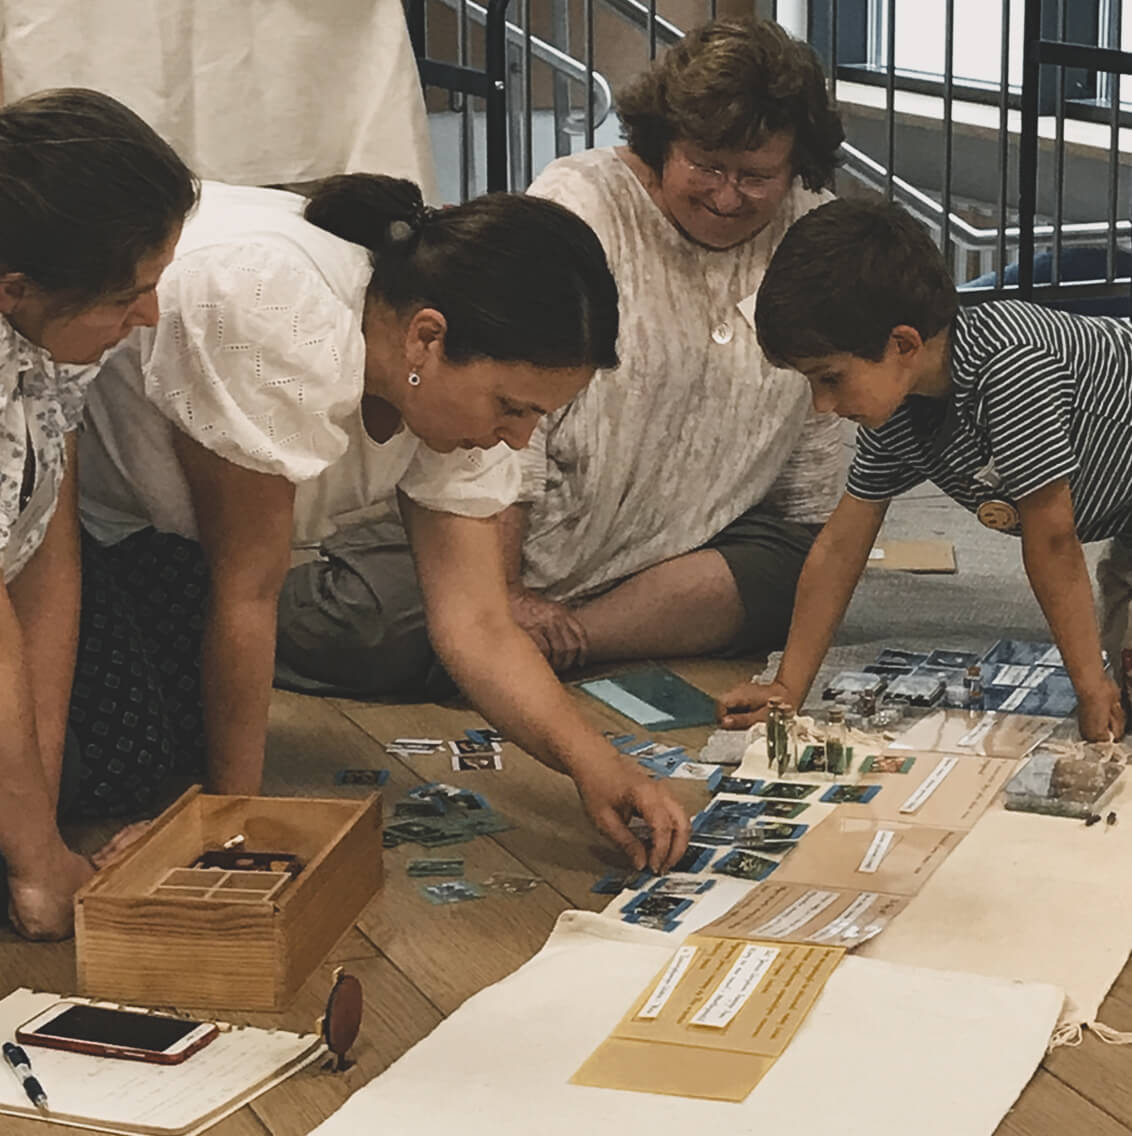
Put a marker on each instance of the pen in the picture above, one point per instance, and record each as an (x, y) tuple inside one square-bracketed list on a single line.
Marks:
[(21, 1066)]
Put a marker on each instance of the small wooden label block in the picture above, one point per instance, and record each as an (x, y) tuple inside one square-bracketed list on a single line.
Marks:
[(151, 930)]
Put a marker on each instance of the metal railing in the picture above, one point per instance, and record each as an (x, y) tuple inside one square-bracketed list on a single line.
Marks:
[(1040, 51), (488, 82), (927, 185)]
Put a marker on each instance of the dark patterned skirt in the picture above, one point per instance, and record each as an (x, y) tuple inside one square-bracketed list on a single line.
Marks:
[(135, 704)]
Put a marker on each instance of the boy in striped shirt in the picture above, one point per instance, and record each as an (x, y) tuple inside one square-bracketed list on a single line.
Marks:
[(1021, 414)]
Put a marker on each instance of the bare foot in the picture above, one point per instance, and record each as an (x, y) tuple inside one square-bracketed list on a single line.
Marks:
[(42, 907), (123, 839)]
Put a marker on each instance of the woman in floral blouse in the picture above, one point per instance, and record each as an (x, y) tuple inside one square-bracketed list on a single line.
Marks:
[(91, 205)]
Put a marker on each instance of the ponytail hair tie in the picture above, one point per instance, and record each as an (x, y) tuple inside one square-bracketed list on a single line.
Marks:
[(403, 230)]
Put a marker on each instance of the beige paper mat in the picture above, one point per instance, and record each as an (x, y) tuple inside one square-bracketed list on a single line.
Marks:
[(940, 790), (863, 854), (976, 734)]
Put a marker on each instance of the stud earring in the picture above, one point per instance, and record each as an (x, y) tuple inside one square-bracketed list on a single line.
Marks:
[(414, 379)]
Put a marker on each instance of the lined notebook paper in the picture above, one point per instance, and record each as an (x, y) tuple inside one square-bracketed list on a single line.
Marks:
[(111, 1095)]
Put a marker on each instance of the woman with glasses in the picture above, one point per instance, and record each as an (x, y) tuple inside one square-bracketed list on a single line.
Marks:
[(668, 510)]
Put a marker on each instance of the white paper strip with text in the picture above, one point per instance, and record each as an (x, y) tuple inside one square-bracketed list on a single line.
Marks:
[(669, 980), (741, 982), (877, 850)]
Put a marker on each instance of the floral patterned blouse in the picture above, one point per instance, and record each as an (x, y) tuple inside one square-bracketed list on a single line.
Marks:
[(40, 401)]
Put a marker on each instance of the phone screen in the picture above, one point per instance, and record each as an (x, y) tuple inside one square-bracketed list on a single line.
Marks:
[(116, 1027)]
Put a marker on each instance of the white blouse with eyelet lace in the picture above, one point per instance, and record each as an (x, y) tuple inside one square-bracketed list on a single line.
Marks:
[(40, 402), (259, 356)]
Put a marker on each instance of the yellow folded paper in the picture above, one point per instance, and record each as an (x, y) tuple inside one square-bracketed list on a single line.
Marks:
[(713, 1022)]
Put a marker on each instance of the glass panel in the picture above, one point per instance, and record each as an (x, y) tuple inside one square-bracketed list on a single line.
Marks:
[(1125, 15), (921, 36)]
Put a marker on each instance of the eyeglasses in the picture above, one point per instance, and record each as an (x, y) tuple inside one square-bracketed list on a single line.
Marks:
[(703, 176)]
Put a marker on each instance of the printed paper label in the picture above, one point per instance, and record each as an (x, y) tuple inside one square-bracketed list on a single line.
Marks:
[(1011, 674), (847, 920), (798, 914), (877, 850), (929, 784), (669, 980), (1015, 699), (972, 737), (741, 982)]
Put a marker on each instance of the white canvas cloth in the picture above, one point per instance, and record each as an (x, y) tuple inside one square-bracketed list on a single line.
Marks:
[(899, 1050), (256, 94), (1036, 898)]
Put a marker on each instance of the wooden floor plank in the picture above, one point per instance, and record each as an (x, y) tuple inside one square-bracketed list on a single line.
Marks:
[(418, 962), (38, 966), (449, 952), (452, 951), (396, 1017), (553, 837), (1099, 1072), (1048, 1107)]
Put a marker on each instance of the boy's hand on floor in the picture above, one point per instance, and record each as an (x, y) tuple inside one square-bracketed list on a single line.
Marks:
[(744, 705), (1100, 715)]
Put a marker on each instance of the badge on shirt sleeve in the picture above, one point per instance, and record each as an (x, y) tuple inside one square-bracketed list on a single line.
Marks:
[(998, 514)]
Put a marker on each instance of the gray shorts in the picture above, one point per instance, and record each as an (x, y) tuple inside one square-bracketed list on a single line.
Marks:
[(352, 623), (765, 554)]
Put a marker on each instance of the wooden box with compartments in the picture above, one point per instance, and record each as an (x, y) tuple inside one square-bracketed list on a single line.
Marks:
[(228, 902)]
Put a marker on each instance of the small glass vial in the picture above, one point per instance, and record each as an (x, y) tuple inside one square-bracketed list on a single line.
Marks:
[(973, 688), (785, 740), (836, 751), (773, 712), (867, 706)]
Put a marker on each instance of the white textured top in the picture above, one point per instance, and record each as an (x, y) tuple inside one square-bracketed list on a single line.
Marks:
[(654, 458), (259, 356), (40, 401)]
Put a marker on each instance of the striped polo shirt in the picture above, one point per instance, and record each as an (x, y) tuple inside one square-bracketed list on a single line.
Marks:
[(1036, 395)]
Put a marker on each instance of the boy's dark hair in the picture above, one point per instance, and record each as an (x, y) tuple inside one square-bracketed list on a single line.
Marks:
[(727, 85), (518, 278), (844, 276), (87, 190)]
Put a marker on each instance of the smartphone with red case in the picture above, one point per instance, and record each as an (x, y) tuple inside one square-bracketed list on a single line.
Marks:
[(106, 1032)]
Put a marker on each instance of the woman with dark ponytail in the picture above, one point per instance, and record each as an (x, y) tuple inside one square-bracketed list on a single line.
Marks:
[(317, 361), (91, 205)]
